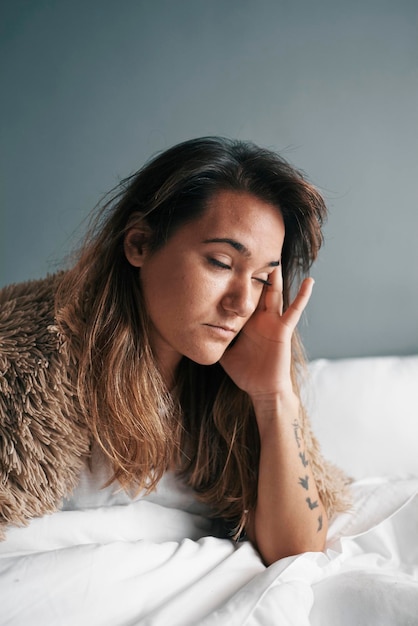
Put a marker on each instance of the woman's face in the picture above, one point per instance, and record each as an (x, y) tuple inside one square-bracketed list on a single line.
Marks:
[(202, 286)]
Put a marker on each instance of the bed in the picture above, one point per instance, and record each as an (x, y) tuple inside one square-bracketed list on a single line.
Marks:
[(153, 561)]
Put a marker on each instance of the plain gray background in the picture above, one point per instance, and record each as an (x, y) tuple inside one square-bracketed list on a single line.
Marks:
[(92, 88)]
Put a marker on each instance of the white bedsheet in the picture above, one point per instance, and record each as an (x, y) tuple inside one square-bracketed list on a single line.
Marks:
[(145, 563)]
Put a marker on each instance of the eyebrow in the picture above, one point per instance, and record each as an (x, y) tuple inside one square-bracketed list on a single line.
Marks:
[(239, 247)]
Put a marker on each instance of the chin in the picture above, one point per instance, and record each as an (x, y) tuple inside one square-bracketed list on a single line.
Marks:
[(207, 359), (206, 362)]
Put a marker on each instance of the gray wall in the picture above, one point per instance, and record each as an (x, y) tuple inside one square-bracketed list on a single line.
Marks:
[(91, 88)]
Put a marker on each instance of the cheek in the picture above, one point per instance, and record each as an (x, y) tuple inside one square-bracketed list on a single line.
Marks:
[(183, 291), (159, 294), (167, 296)]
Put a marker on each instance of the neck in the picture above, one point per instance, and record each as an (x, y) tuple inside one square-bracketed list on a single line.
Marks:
[(168, 370)]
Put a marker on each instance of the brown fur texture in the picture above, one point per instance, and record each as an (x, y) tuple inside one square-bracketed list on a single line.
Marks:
[(42, 435), (44, 439)]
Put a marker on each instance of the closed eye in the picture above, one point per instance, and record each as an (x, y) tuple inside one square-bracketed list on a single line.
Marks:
[(217, 263), (225, 266), (264, 282)]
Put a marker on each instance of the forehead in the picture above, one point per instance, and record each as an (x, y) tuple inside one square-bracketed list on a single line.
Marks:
[(252, 221)]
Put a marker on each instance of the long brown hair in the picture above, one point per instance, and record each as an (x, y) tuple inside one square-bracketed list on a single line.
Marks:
[(207, 427)]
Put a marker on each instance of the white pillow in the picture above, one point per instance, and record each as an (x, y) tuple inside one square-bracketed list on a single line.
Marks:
[(364, 412)]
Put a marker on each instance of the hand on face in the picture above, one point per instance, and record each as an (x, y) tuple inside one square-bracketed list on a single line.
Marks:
[(259, 361)]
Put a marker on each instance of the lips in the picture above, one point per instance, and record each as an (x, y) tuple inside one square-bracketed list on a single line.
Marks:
[(223, 329)]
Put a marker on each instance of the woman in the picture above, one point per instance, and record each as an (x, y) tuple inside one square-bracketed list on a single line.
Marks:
[(171, 345)]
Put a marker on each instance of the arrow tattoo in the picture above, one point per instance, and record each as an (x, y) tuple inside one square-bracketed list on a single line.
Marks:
[(302, 456), (304, 482)]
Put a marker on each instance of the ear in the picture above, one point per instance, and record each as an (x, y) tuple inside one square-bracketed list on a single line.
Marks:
[(136, 246)]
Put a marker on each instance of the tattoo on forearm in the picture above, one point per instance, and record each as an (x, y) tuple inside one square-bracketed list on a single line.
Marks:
[(303, 458), (296, 429), (312, 505), (304, 482)]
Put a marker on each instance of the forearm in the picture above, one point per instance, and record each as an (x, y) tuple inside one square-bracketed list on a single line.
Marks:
[(289, 517)]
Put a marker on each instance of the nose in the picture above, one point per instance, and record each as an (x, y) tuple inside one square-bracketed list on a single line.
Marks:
[(240, 298)]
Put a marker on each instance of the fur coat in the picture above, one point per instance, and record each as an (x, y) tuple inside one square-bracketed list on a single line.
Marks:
[(44, 438)]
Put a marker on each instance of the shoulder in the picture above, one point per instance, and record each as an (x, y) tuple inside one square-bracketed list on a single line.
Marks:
[(42, 431)]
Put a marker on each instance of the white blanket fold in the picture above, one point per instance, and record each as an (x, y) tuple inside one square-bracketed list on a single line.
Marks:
[(144, 563)]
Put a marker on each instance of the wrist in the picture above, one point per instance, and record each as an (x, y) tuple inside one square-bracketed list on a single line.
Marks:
[(268, 406)]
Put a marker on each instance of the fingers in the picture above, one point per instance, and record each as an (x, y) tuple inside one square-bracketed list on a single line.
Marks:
[(293, 314), (272, 299), (273, 294)]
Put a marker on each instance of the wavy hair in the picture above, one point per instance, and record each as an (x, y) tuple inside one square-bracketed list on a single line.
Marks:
[(207, 428)]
